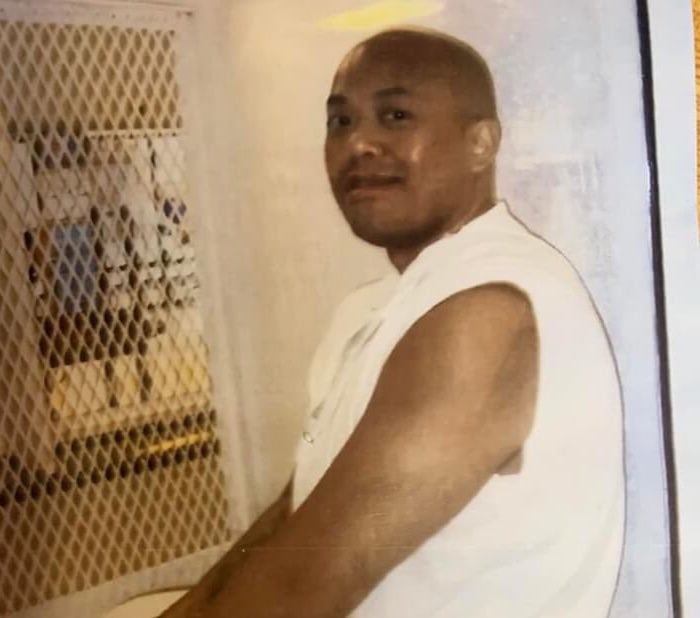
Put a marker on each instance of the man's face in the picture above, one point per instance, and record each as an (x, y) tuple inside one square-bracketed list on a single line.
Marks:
[(396, 150)]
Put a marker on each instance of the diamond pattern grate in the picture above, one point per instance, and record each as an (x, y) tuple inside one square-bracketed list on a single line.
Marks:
[(108, 433)]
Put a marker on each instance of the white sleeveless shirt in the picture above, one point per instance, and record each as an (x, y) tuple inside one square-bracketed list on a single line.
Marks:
[(543, 543)]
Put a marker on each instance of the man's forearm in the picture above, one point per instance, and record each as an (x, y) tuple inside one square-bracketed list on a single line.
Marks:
[(194, 603)]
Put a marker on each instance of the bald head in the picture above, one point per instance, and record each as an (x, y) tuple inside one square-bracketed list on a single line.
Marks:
[(412, 138), (427, 55)]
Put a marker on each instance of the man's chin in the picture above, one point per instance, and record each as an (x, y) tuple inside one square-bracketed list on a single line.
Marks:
[(378, 222), (389, 237)]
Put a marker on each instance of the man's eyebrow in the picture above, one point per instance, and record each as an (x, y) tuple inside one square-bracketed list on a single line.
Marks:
[(336, 99), (391, 91)]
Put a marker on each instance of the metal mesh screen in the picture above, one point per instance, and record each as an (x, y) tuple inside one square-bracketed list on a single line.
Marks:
[(108, 448)]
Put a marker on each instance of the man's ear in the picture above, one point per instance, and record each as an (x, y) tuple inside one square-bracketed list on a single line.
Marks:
[(483, 142)]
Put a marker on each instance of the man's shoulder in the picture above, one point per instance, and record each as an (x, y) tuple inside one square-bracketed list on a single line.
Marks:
[(497, 307), (510, 250), (497, 244), (479, 344)]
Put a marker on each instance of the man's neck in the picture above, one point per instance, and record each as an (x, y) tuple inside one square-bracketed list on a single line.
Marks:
[(401, 258)]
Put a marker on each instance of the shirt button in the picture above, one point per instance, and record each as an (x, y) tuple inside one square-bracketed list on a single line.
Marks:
[(308, 437)]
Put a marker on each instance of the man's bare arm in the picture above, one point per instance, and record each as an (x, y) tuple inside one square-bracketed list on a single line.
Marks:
[(454, 403), (192, 604)]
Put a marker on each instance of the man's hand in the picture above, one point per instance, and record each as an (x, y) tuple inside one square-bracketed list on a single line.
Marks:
[(452, 407)]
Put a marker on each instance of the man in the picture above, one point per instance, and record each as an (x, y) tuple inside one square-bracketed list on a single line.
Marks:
[(463, 456)]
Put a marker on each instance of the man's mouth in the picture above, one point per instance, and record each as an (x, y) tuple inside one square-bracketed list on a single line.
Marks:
[(367, 183)]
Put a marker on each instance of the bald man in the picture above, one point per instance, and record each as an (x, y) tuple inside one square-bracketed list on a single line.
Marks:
[(463, 455)]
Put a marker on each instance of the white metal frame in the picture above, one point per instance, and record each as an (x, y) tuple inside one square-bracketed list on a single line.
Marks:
[(127, 13)]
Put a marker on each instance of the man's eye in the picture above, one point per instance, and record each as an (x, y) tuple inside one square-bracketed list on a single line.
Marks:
[(338, 121), (396, 115)]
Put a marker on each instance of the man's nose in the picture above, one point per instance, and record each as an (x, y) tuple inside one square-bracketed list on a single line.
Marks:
[(364, 142)]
